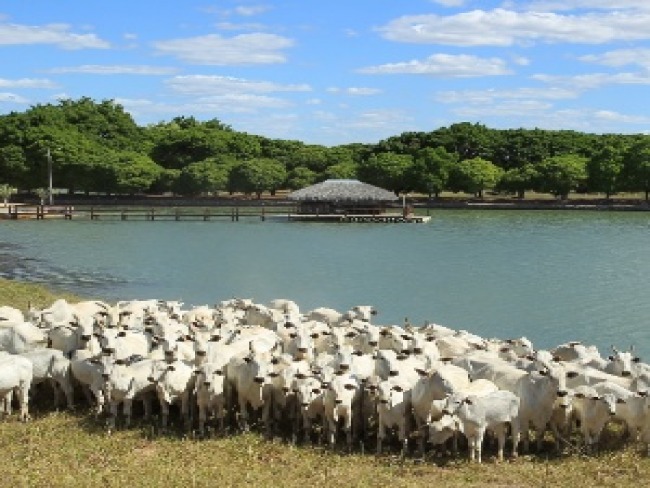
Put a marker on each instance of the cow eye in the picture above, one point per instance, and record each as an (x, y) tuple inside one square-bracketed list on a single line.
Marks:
[(314, 336), (348, 386), (316, 391), (218, 372), (293, 335)]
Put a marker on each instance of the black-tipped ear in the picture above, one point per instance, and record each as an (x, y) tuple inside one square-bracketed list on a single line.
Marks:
[(468, 401)]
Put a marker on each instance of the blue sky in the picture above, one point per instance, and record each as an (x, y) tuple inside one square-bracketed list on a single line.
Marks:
[(337, 71)]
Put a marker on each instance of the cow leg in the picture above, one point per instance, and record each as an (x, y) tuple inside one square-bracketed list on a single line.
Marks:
[(164, 409), (185, 410), (500, 432), (110, 422), (127, 409), (203, 415), (381, 434), (243, 414), (23, 400), (403, 436)]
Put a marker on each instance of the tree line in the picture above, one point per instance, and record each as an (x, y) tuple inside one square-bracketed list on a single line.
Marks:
[(97, 147)]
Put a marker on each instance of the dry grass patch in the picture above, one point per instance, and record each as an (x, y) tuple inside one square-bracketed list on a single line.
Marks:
[(62, 449)]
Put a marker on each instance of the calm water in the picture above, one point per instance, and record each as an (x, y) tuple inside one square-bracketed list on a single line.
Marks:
[(552, 277)]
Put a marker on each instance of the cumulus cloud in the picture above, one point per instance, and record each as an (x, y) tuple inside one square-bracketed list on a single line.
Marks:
[(621, 57), (355, 91), (502, 27), (12, 98), (444, 66), (27, 83), (58, 35), (209, 84), (96, 69), (493, 96), (213, 49), (566, 5), (591, 81)]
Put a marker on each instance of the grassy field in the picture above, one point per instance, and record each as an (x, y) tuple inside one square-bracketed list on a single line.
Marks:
[(72, 449)]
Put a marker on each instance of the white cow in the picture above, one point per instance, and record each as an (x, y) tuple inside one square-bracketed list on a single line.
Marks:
[(593, 411), (124, 382), (52, 365), (174, 383), (20, 337), (393, 410), (477, 414), (210, 394), (340, 400), (16, 375)]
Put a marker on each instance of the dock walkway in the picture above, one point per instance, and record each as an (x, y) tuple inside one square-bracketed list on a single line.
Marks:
[(164, 213)]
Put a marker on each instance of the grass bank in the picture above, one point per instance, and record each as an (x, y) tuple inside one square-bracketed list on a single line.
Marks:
[(71, 449)]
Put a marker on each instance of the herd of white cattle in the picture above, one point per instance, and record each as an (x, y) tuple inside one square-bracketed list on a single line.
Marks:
[(320, 374)]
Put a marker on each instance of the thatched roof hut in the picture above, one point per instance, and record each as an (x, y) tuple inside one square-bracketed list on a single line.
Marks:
[(338, 196)]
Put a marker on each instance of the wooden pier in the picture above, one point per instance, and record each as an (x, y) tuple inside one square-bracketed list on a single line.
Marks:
[(164, 213)]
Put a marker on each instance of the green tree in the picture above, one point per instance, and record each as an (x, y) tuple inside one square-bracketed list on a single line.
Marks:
[(604, 169), (636, 167), (132, 172), (474, 176), (518, 180), (300, 177), (559, 175), (203, 177), (341, 171), (429, 173), (257, 176), (387, 170)]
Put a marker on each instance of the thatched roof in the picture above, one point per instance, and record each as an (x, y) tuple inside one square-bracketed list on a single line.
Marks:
[(342, 190)]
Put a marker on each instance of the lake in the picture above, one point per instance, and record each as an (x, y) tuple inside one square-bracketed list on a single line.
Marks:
[(550, 276)]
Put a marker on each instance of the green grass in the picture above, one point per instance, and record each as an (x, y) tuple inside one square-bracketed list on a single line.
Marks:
[(72, 449)]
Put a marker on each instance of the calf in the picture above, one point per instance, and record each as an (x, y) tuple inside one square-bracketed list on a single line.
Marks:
[(16, 375), (493, 411), (393, 410), (340, 403)]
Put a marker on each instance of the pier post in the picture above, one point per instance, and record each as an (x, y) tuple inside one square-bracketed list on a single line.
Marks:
[(263, 214), (39, 212), (123, 215), (177, 215)]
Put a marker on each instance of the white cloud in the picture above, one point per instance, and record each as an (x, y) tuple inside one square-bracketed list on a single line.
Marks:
[(355, 91), (206, 84), (502, 27), (621, 57), (213, 49), (566, 5), (97, 69), (55, 34), (12, 98), (231, 26), (494, 96), (595, 80), (27, 83), (450, 3), (444, 66), (251, 10), (314, 101)]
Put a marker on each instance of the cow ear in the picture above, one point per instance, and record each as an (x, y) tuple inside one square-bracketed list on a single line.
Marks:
[(642, 393), (398, 388), (468, 401), (197, 371), (557, 359), (543, 372), (348, 386), (421, 372), (579, 395), (636, 359), (620, 400), (248, 359), (274, 374), (357, 353), (171, 368), (293, 335), (121, 334), (300, 376), (121, 362), (611, 358), (572, 374)]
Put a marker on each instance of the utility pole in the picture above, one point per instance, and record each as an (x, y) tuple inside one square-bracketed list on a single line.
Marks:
[(49, 176)]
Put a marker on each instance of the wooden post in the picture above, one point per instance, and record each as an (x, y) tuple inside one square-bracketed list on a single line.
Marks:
[(68, 213), (177, 214), (206, 214), (123, 215), (92, 213), (263, 214), (39, 212), (237, 214)]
